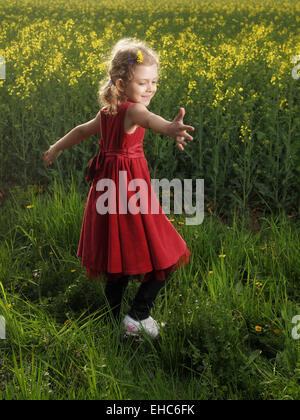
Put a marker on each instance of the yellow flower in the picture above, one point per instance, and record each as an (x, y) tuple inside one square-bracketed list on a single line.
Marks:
[(222, 255), (258, 328), (283, 102), (30, 206), (181, 223), (139, 57), (210, 272), (171, 220), (276, 332), (72, 271)]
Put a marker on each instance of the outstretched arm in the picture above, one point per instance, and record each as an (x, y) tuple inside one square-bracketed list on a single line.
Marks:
[(140, 115), (76, 135)]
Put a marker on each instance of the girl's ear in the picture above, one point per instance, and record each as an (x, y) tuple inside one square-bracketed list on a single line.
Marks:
[(120, 85)]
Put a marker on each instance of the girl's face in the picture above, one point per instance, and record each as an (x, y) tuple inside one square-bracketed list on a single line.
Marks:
[(142, 87)]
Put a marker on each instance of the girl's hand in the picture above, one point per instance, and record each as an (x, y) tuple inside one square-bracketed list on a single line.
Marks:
[(51, 154), (177, 130)]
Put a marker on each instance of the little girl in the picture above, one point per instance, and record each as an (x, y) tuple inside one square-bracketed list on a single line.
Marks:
[(115, 245)]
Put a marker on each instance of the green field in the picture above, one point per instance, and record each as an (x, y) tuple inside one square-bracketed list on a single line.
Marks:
[(228, 313)]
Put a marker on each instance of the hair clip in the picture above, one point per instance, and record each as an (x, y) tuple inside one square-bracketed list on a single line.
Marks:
[(130, 59)]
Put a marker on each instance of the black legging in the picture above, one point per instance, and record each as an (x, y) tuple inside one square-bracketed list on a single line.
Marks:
[(143, 301)]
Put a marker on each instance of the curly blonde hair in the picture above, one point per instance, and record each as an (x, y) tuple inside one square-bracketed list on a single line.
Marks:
[(120, 66)]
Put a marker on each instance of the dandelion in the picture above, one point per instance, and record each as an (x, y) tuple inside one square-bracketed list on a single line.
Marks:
[(222, 255), (139, 57), (181, 223), (258, 328), (30, 206)]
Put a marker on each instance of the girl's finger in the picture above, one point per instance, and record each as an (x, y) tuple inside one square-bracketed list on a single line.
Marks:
[(188, 127), (187, 136)]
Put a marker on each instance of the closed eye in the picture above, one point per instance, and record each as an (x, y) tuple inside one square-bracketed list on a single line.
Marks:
[(142, 83)]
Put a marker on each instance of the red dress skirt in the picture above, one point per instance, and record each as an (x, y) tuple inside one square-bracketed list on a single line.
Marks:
[(124, 229)]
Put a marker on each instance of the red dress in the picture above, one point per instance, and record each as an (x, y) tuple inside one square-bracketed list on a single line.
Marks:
[(140, 244)]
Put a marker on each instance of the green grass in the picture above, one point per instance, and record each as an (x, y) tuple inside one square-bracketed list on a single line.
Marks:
[(61, 343), (228, 63)]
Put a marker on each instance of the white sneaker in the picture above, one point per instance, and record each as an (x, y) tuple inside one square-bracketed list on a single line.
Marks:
[(134, 328)]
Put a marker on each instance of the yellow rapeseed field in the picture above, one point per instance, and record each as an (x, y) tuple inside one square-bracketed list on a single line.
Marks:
[(66, 42), (228, 63)]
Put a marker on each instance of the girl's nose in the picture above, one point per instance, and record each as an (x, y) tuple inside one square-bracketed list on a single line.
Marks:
[(149, 88)]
